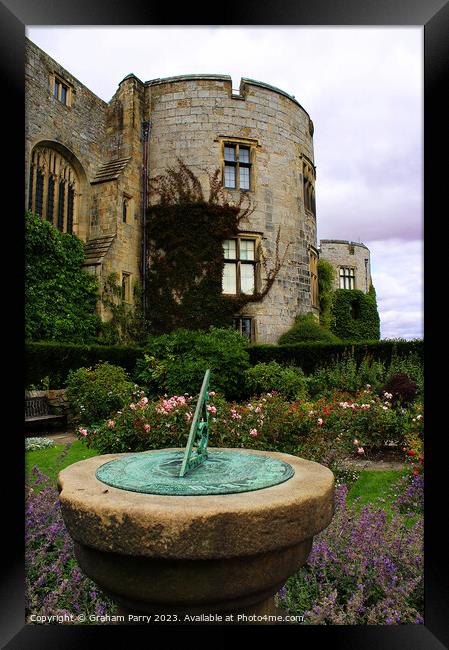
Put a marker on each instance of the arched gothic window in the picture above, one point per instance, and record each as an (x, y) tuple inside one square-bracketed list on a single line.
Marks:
[(54, 187)]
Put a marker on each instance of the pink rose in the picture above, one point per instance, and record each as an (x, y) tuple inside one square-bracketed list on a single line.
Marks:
[(147, 427), (320, 421), (111, 424), (253, 432), (83, 432)]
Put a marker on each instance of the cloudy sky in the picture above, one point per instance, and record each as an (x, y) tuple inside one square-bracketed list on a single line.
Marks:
[(363, 88)]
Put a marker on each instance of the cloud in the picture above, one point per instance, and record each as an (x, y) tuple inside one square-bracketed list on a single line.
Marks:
[(397, 273)]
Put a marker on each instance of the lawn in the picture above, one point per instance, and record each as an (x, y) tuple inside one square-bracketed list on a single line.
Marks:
[(53, 459)]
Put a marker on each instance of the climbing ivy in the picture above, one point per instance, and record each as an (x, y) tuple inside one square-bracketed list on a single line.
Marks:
[(185, 263), (124, 324), (326, 276), (60, 296), (355, 315)]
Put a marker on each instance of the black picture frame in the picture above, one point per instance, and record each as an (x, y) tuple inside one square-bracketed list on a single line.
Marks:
[(433, 15)]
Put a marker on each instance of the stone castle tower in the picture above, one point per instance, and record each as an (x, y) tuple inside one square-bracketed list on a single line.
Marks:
[(351, 261), (87, 162)]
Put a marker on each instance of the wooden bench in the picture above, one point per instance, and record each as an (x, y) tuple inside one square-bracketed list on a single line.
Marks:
[(38, 416)]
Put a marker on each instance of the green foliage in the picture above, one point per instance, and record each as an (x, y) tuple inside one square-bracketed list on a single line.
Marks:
[(412, 365), (60, 296), (175, 363), (126, 323), (47, 364), (307, 328), (266, 377), (355, 315), (347, 375), (311, 355), (326, 276), (96, 393)]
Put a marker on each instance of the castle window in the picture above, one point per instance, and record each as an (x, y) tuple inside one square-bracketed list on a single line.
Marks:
[(61, 91), (126, 287), (239, 275), (39, 192), (244, 325), (237, 166), (314, 279), (53, 188), (347, 278), (125, 210), (50, 198)]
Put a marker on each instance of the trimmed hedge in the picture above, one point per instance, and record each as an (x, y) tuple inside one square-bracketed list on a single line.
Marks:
[(311, 355), (55, 360)]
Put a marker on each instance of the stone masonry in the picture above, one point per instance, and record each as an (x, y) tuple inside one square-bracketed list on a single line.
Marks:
[(350, 255), (191, 117)]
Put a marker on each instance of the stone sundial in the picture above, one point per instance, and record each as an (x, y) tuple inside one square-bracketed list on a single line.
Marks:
[(196, 471)]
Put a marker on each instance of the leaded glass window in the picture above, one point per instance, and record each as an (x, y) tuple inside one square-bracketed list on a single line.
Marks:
[(347, 278), (237, 166), (239, 273), (53, 188)]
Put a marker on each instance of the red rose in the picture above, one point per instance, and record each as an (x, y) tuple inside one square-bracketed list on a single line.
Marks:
[(411, 452)]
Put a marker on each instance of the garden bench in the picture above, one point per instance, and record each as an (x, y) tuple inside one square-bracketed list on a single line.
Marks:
[(37, 414)]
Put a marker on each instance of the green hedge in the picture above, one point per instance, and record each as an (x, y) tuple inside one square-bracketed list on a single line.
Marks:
[(54, 360), (311, 355)]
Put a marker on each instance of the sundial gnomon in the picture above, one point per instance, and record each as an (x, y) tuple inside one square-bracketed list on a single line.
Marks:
[(197, 470)]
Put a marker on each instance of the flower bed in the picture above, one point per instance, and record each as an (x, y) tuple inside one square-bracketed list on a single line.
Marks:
[(364, 568), (337, 426), (55, 586)]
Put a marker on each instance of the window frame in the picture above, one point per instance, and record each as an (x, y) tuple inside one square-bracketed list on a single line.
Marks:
[(255, 264), (313, 270), (237, 163), (348, 277), (237, 324), (57, 85)]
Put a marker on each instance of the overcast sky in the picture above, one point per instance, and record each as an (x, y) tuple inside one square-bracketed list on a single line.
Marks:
[(363, 88)]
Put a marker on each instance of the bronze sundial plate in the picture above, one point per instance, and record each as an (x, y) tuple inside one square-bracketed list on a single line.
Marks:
[(223, 472)]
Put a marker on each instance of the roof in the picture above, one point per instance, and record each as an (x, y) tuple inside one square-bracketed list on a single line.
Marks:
[(111, 170), (96, 249)]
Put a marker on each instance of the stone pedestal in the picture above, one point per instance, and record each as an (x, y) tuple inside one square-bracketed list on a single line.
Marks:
[(194, 555)]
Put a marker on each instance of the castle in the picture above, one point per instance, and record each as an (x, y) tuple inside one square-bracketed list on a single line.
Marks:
[(88, 163)]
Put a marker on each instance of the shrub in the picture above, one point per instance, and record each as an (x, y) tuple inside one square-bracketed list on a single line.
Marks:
[(60, 295), (346, 375), (402, 389), (307, 328), (31, 444), (175, 363), (96, 393), (323, 431), (358, 571), (265, 377), (410, 364)]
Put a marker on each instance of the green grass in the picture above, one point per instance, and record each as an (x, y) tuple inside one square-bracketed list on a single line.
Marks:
[(53, 459), (374, 487)]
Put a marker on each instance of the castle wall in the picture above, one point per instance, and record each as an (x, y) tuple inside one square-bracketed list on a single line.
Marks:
[(191, 117), (351, 255)]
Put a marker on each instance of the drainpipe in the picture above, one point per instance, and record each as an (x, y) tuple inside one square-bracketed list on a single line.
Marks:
[(146, 129)]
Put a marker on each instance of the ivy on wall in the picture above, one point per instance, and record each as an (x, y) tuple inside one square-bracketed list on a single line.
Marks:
[(326, 276), (355, 315), (60, 296), (185, 232)]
